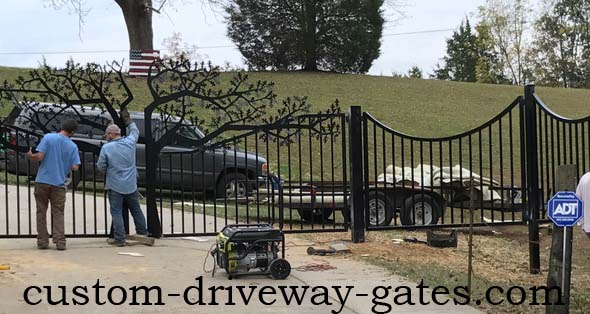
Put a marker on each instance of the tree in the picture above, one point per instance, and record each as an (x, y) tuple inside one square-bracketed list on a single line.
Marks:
[(462, 56), (137, 15), (181, 92), (415, 72), (333, 35), (178, 49), (488, 68), (562, 44), (506, 24)]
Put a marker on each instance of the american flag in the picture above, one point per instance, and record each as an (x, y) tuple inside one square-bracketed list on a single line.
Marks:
[(141, 60)]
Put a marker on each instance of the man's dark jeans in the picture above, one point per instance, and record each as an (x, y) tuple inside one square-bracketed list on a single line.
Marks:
[(116, 200)]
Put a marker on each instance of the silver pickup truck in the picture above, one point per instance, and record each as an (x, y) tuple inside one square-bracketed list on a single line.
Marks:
[(225, 170)]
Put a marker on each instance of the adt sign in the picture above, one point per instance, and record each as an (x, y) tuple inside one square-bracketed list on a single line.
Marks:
[(565, 209)]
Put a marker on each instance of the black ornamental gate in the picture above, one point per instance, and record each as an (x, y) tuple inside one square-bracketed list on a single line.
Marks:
[(293, 175), (324, 172)]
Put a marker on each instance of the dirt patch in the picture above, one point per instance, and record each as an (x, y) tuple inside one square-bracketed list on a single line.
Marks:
[(501, 258), (27, 264)]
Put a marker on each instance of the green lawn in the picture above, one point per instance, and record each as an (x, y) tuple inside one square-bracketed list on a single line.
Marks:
[(413, 106), (426, 108)]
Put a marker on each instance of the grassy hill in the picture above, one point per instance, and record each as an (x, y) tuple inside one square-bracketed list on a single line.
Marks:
[(413, 106)]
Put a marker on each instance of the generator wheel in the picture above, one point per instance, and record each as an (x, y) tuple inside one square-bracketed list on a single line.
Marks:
[(280, 269)]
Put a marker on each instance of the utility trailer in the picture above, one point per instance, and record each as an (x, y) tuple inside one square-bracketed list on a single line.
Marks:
[(412, 204)]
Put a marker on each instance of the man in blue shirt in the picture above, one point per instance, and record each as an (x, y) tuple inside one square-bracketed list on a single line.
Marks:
[(58, 156), (117, 161)]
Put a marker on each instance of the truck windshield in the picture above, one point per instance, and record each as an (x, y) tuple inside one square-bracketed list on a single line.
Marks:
[(190, 132)]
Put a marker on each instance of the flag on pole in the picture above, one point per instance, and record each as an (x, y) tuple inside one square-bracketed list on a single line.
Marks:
[(141, 60)]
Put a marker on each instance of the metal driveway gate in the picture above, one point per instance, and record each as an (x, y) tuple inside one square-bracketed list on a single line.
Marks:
[(293, 176), (324, 173)]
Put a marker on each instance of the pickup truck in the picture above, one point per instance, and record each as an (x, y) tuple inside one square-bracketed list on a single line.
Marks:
[(224, 170)]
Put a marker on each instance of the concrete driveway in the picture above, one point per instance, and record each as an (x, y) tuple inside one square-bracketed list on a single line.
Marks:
[(173, 265)]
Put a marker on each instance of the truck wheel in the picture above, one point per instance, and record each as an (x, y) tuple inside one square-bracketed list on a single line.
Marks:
[(315, 215), (231, 185), (280, 269), (422, 208), (380, 209)]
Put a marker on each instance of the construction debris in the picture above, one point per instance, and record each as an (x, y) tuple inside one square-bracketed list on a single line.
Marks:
[(131, 254), (441, 239), (315, 267), (414, 240), (321, 252), (142, 239), (196, 239), (339, 247)]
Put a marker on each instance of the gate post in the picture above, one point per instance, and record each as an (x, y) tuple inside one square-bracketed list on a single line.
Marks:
[(532, 178), (357, 210)]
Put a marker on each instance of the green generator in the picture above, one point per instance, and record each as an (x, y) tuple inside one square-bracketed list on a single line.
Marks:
[(241, 248)]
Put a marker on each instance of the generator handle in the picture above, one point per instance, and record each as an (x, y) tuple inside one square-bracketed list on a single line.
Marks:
[(246, 225)]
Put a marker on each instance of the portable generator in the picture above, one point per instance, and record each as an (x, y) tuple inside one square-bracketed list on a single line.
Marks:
[(241, 248)]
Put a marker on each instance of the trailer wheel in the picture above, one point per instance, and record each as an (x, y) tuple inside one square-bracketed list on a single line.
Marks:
[(315, 215), (422, 208), (380, 209), (280, 269)]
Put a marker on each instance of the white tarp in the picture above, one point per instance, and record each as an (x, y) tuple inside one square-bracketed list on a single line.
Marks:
[(436, 177)]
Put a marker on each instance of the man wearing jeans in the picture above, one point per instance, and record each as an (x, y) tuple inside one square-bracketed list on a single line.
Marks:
[(117, 161), (58, 156)]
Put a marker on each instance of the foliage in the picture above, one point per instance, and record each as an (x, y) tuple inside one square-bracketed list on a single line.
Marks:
[(462, 56), (415, 72), (505, 24), (178, 49), (332, 35), (488, 68), (562, 44)]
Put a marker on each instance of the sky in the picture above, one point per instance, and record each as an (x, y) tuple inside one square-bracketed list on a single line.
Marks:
[(32, 31)]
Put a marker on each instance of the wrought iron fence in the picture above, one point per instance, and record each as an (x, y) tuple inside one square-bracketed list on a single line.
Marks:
[(304, 176), (293, 176), (412, 181)]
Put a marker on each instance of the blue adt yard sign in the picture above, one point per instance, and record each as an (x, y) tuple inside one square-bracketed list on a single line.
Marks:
[(565, 209)]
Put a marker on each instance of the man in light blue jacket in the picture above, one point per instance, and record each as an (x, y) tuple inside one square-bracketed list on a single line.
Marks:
[(117, 162)]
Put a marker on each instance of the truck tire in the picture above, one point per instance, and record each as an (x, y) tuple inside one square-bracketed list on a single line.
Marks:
[(421, 207), (380, 210), (230, 183), (316, 215)]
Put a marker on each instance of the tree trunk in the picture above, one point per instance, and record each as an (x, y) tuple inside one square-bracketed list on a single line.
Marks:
[(309, 36), (138, 18)]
